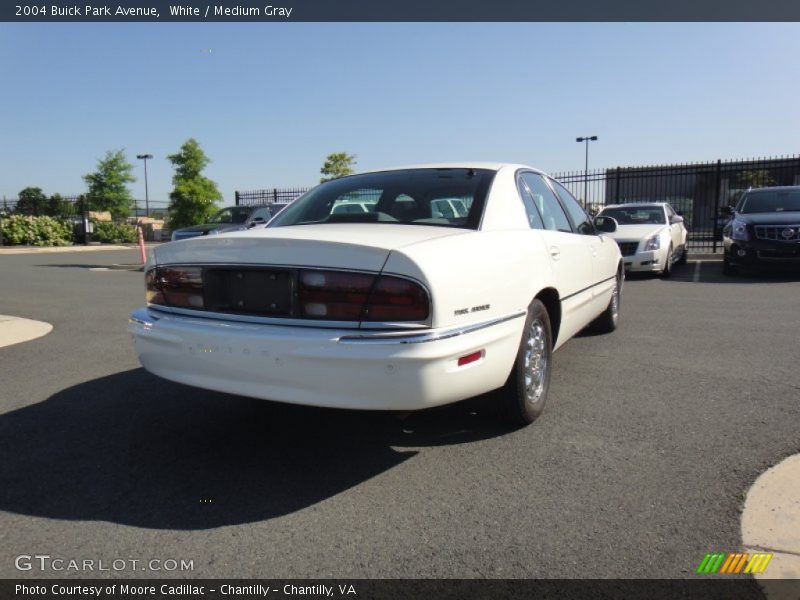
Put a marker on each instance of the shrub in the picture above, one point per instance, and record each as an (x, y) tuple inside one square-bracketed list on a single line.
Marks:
[(113, 233), (35, 231)]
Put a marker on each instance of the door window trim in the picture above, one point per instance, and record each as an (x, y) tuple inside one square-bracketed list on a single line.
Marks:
[(545, 178), (551, 182)]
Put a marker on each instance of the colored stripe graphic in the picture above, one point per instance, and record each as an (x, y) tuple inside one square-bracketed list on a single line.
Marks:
[(703, 563), (734, 563), (711, 563), (740, 564), (758, 563), (715, 565), (727, 563), (731, 563)]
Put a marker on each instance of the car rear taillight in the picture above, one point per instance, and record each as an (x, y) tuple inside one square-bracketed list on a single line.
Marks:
[(175, 286), (333, 295), (395, 299), (324, 295), (360, 297)]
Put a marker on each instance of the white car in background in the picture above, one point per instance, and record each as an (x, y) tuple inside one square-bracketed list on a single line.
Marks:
[(460, 279), (651, 237)]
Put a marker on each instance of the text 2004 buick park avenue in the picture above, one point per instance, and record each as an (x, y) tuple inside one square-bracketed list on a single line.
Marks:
[(398, 290)]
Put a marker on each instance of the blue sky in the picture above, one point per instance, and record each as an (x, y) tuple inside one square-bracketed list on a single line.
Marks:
[(268, 101)]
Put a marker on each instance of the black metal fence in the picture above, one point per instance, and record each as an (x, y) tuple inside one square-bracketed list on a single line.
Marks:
[(66, 207), (268, 196), (696, 190)]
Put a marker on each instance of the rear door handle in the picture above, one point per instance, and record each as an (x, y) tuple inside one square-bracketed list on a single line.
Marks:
[(555, 252)]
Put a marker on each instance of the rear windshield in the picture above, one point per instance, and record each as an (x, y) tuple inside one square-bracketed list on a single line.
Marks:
[(441, 197), (637, 215), (770, 201)]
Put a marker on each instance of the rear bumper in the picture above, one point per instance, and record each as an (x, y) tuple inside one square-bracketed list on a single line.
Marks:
[(327, 367)]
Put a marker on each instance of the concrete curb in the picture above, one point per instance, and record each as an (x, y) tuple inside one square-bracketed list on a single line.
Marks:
[(771, 524), (57, 249), (15, 330)]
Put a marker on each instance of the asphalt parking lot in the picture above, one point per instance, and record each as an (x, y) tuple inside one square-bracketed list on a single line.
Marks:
[(639, 466)]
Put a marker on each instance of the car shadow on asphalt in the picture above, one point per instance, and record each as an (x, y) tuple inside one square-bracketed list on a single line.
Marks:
[(137, 450), (110, 267)]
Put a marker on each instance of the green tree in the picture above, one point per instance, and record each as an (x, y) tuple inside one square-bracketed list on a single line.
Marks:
[(31, 201), (193, 196), (750, 179), (108, 186), (337, 164), (55, 205), (757, 179)]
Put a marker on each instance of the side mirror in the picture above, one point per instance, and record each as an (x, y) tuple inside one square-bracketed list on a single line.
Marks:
[(679, 213), (726, 211), (257, 221), (675, 220), (606, 224)]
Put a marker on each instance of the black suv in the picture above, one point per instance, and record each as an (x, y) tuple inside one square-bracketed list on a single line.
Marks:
[(764, 229)]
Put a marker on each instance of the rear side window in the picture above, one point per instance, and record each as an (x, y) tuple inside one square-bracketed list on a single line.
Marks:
[(547, 204), (583, 224)]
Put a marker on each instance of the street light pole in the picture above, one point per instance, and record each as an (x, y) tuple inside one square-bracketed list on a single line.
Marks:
[(586, 140), (144, 157)]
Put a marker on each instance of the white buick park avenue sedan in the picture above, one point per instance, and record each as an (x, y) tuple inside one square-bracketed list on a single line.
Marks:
[(448, 281)]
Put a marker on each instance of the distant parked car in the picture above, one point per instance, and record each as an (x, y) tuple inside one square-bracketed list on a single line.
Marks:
[(652, 237), (764, 229), (232, 218), (396, 308), (352, 208)]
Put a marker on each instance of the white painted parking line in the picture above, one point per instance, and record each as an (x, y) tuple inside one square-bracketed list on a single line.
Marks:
[(696, 276)]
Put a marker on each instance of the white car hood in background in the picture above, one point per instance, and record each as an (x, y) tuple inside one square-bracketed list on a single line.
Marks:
[(635, 232), (361, 246)]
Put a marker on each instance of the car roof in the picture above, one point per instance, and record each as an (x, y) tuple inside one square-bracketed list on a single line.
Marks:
[(629, 204), (776, 188), (491, 166)]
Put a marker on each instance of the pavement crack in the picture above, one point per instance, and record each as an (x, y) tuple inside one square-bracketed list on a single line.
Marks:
[(773, 550)]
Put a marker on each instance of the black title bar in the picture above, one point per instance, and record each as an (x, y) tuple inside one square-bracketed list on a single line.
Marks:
[(744, 588), (403, 10)]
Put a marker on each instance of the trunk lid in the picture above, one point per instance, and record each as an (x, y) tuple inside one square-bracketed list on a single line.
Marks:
[(359, 246)]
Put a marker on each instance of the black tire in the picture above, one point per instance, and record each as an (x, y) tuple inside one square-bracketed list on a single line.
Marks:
[(667, 271), (521, 400), (727, 268), (682, 259), (607, 321)]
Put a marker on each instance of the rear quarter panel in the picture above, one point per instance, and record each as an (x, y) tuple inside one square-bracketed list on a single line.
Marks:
[(477, 276)]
